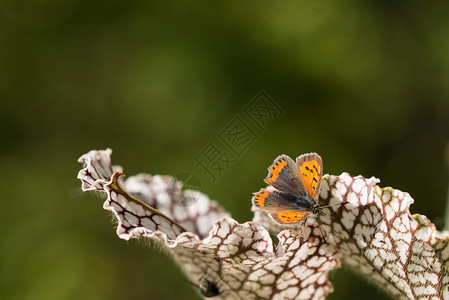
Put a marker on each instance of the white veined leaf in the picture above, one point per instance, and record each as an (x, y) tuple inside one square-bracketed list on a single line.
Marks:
[(373, 232)]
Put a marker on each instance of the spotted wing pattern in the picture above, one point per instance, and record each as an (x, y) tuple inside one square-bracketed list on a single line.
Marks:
[(289, 217), (311, 170)]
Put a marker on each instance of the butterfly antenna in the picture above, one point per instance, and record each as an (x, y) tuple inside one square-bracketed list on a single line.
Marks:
[(321, 230), (330, 205)]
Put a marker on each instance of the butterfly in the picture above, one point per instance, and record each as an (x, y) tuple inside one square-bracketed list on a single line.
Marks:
[(296, 188), (206, 287)]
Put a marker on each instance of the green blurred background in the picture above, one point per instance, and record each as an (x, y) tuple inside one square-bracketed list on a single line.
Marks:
[(365, 84)]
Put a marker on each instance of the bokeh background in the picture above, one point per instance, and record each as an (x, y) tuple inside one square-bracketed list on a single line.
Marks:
[(363, 83)]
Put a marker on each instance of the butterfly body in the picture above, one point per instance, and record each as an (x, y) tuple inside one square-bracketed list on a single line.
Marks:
[(299, 202), (294, 188)]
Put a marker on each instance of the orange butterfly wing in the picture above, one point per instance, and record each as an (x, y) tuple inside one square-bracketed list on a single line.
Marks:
[(277, 167), (303, 178), (260, 198), (288, 217), (311, 170)]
